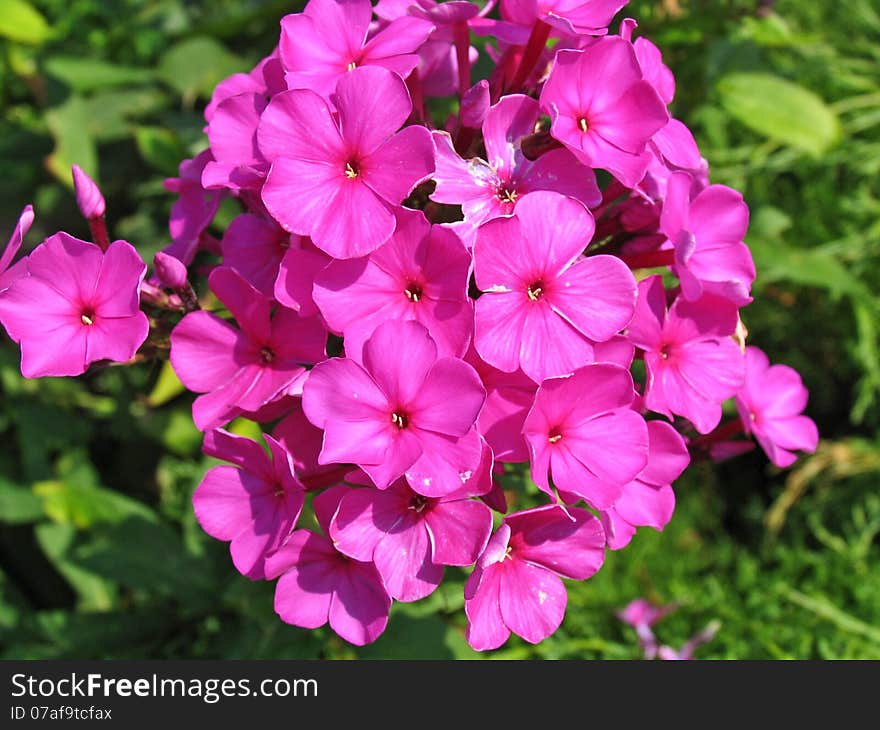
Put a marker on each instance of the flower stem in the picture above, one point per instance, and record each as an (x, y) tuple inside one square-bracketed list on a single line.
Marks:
[(98, 227), (462, 34), (534, 47)]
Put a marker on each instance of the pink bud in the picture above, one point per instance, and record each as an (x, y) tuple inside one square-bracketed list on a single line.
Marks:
[(170, 271), (475, 104), (88, 196)]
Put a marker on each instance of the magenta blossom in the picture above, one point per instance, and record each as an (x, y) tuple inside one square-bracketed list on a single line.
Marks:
[(242, 369), (490, 188), (254, 505), (516, 585), (648, 500), (509, 396), (339, 178), (76, 305), (544, 304), (9, 272), (329, 39), (254, 246), (194, 209), (569, 17), (300, 265), (771, 404), (583, 432), (410, 537), (232, 132), (708, 232), (420, 274), (320, 585), (601, 108), (399, 410), (692, 362)]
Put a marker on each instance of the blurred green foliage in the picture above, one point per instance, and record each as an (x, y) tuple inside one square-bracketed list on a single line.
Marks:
[(100, 554)]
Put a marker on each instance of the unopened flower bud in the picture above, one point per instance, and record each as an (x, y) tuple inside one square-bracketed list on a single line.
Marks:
[(170, 271), (475, 104), (88, 196)]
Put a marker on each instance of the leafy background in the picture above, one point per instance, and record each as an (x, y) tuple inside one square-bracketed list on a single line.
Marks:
[(100, 555)]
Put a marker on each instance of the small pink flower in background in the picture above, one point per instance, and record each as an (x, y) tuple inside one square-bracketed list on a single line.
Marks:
[(194, 209), (399, 410), (339, 178), (648, 500), (602, 109), (9, 272), (509, 396), (242, 369), (490, 188), (642, 615), (708, 233), (319, 585), (410, 537), (420, 274), (76, 305), (771, 404), (254, 246), (544, 304), (516, 585), (693, 364), (254, 505), (583, 432), (330, 38)]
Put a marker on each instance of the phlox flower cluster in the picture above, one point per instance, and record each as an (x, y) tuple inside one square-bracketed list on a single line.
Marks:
[(412, 305)]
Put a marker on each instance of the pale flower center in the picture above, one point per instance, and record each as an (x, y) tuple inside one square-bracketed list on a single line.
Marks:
[(582, 124), (400, 419), (351, 170), (535, 290), (413, 292)]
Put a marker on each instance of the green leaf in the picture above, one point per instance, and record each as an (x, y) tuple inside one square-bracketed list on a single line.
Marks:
[(70, 124), (20, 21), (195, 66), (95, 593), (167, 387), (88, 74), (83, 505), (161, 148), (17, 504), (780, 110)]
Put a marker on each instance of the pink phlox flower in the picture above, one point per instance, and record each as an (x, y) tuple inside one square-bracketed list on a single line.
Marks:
[(397, 409), (490, 188), (686, 653), (642, 615), (648, 500), (254, 245), (318, 584), (303, 442), (692, 362), (266, 78), (544, 304), (238, 163), (339, 177), (516, 584), (300, 265), (583, 432), (193, 210), (410, 537), (771, 404), (509, 397), (76, 305), (602, 109), (9, 272), (254, 504), (420, 274), (242, 369), (330, 38), (708, 232)]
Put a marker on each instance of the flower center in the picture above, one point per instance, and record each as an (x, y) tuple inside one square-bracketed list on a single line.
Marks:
[(400, 419), (267, 354), (418, 503), (87, 317), (582, 124), (554, 435), (507, 195), (351, 66), (535, 290), (413, 292), (351, 170), (665, 352)]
